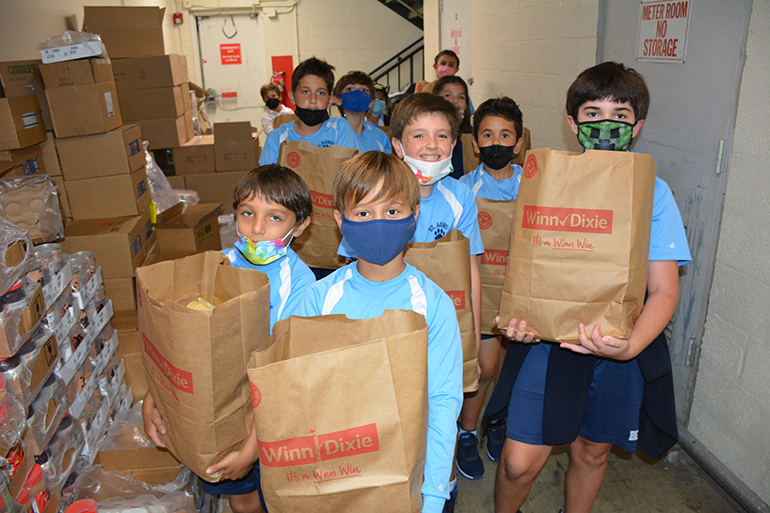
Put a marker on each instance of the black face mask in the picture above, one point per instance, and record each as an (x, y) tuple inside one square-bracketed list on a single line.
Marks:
[(496, 156), (273, 103), (311, 117)]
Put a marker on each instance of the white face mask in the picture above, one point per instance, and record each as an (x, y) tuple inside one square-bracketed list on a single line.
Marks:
[(428, 172)]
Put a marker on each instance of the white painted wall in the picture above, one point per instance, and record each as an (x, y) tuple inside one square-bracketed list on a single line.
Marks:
[(532, 52), (731, 407)]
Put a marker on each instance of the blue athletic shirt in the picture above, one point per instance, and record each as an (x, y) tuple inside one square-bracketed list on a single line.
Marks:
[(451, 205), (347, 292), (486, 186), (289, 279), (334, 131), (668, 240), (374, 139)]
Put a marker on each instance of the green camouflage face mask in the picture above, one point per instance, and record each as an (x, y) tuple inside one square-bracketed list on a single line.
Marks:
[(605, 135)]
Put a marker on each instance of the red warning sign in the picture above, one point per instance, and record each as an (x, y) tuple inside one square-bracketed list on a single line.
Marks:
[(231, 54)]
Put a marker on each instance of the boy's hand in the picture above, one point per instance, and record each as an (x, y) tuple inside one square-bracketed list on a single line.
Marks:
[(517, 332), (235, 465), (608, 347), (153, 423)]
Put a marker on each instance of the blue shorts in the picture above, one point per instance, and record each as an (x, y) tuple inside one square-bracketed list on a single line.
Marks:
[(242, 486), (612, 410), (487, 337)]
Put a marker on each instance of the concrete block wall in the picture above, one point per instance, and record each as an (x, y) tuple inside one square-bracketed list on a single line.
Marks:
[(535, 51), (352, 34), (731, 405)]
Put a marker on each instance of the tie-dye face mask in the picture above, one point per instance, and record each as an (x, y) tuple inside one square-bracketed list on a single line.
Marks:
[(263, 252)]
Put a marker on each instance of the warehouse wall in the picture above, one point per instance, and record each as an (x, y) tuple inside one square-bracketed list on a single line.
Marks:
[(731, 407), (539, 49)]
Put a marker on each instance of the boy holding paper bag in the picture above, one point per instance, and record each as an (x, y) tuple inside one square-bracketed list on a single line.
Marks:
[(377, 200), (272, 206), (599, 403)]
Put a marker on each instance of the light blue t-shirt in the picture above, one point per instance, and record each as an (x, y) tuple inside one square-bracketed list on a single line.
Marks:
[(450, 206), (289, 279), (668, 240), (486, 186), (374, 139), (347, 292), (333, 132)]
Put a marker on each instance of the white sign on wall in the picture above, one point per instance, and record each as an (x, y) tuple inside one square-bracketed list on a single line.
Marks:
[(663, 30)]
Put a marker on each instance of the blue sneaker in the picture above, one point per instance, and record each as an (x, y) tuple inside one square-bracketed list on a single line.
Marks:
[(469, 464), (495, 439)]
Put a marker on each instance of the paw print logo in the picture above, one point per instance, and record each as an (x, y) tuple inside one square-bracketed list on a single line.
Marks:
[(439, 233), (292, 159)]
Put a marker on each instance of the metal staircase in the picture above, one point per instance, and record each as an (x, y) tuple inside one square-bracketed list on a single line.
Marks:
[(406, 67), (410, 10)]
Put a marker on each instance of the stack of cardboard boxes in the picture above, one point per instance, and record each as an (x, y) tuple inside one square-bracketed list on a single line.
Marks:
[(213, 165)]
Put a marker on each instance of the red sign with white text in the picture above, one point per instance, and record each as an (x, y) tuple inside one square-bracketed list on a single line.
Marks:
[(231, 54)]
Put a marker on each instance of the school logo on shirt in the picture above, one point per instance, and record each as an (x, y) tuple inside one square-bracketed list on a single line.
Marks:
[(438, 230), (325, 144)]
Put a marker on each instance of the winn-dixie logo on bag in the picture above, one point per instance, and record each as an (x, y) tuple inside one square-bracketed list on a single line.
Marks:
[(559, 219), (494, 257), (324, 202), (458, 298), (305, 450), (181, 380)]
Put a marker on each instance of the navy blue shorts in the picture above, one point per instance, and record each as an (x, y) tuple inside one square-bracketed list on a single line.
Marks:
[(242, 486), (612, 411), (487, 337)]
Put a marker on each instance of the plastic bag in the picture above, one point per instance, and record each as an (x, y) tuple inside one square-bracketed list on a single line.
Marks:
[(59, 458), (160, 190), (110, 489), (71, 45), (32, 204), (126, 432), (11, 419), (228, 231), (16, 255), (47, 410), (16, 320)]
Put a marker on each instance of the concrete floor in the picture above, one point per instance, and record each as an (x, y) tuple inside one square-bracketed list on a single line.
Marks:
[(633, 483)]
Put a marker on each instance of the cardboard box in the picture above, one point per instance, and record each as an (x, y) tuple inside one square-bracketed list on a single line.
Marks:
[(195, 156), (109, 196), (23, 162), (130, 349), (156, 103), (18, 78), (119, 244), (118, 152), (215, 187), (127, 31), (82, 97), (193, 231), (234, 146), (150, 72), (176, 182), (122, 292), (164, 133), (127, 320), (189, 124), (64, 203), (21, 122), (50, 155), (151, 465)]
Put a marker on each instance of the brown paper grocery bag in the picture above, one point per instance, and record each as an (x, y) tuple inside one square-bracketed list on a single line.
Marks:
[(495, 218), (580, 242), (446, 262), (341, 413), (318, 244), (526, 145), (196, 360)]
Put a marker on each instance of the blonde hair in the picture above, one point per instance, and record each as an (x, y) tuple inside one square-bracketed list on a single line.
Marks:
[(362, 174)]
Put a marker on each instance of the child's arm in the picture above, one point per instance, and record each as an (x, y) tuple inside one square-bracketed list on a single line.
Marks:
[(269, 153), (662, 298), (237, 464), (476, 298), (153, 423)]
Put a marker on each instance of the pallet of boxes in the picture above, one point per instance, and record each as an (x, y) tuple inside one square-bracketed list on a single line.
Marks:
[(62, 377)]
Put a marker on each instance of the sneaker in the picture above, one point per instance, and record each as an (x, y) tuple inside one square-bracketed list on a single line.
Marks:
[(495, 439), (449, 505), (469, 464)]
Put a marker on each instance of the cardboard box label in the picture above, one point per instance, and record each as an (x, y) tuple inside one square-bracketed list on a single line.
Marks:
[(137, 245), (108, 102), (29, 120), (134, 148), (72, 52)]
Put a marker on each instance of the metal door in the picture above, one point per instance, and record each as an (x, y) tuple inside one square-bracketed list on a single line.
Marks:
[(233, 66), (688, 130)]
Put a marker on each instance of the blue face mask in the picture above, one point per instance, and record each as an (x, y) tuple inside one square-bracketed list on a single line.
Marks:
[(378, 108), (356, 101), (378, 241)]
